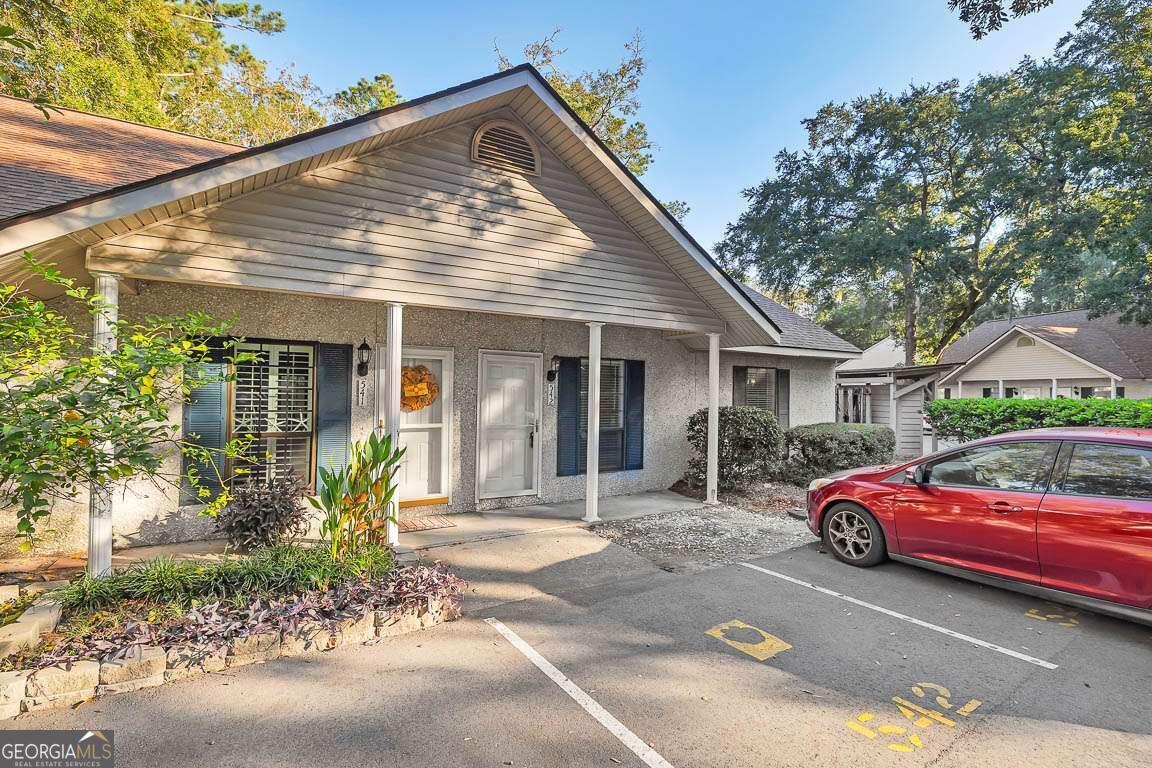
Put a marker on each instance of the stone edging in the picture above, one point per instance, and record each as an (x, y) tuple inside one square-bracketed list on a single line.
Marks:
[(39, 618), (30, 690)]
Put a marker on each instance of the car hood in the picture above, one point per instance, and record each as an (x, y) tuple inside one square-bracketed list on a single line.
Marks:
[(843, 473)]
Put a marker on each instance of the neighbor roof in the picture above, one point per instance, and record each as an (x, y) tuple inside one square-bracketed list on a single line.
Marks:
[(797, 330), (1123, 349), (70, 155), (63, 229)]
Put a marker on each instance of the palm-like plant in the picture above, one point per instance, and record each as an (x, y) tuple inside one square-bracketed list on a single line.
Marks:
[(356, 499)]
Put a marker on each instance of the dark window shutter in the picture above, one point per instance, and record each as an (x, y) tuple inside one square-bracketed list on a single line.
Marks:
[(783, 398), (205, 425), (634, 414), (568, 443), (739, 385), (333, 406)]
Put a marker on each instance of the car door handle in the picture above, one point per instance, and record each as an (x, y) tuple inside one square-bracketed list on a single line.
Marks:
[(1004, 507)]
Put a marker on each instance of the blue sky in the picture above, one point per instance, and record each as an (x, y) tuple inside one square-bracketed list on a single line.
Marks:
[(728, 82)]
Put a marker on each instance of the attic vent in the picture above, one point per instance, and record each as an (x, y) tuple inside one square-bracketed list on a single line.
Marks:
[(503, 144), (1025, 341)]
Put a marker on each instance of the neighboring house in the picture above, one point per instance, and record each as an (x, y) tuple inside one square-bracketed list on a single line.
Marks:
[(1061, 354), (878, 388), (451, 270)]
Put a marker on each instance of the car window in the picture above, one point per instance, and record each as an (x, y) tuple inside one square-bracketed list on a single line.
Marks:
[(1100, 469), (1004, 466)]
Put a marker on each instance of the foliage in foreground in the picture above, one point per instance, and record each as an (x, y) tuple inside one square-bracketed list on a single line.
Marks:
[(750, 441), (73, 415), (819, 448), (355, 499), (208, 628), (973, 418), (262, 514), (279, 570)]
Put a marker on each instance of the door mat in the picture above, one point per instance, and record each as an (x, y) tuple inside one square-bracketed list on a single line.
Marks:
[(426, 523)]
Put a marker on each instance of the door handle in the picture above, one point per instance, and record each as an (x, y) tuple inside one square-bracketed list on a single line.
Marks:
[(1004, 507)]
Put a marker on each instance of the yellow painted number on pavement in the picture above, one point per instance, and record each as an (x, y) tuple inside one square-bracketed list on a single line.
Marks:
[(921, 715), (1057, 614), (748, 639)]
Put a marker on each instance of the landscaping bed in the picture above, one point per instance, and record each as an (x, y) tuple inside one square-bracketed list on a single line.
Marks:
[(166, 620)]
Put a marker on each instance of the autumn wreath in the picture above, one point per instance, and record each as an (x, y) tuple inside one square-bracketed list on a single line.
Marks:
[(418, 388)]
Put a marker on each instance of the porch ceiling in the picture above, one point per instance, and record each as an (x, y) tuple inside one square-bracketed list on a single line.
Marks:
[(63, 233)]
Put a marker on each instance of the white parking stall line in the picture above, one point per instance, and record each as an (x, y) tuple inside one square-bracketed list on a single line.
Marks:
[(641, 749), (911, 620)]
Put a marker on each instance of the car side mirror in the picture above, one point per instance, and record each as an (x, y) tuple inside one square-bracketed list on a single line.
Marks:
[(914, 475)]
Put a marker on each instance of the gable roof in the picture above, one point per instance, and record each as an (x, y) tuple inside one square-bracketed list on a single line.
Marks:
[(796, 330), (886, 353), (1122, 349), (95, 217), (72, 155)]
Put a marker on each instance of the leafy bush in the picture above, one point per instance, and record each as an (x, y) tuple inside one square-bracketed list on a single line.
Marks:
[(260, 514), (973, 418), (278, 570), (817, 448), (206, 628), (750, 442), (355, 498)]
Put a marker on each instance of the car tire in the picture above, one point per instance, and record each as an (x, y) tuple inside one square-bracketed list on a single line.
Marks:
[(854, 536)]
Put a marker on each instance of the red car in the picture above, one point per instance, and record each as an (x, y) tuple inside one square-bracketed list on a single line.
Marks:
[(1064, 514)]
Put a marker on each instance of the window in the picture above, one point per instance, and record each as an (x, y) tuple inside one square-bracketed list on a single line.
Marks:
[(425, 424), (986, 392), (272, 401), (754, 387), (1119, 393), (621, 415), (504, 144), (1005, 466), (1011, 392), (1087, 393), (1099, 469), (611, 412)]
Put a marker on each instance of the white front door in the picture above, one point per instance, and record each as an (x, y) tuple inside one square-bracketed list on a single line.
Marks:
[(509, 408)]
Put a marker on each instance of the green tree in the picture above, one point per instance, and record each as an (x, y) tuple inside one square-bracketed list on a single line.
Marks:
[(364, 96), (74, 415), (922, 197), (984, 16), (167, 63)]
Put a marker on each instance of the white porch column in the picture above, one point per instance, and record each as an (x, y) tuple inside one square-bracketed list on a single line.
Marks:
[(107, 290), (959, 389), (713, 476), (592, 468), (867, 403), (1112, 390), (1000, 388), (394, 342), (1053, 389)]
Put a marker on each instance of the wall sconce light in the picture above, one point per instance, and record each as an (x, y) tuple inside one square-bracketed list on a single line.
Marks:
[(363, 358), (554, 370)]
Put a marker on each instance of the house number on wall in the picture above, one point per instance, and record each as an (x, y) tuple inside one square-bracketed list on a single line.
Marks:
[(361, 391)]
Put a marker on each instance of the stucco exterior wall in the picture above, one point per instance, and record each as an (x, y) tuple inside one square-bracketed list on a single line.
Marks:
[(675, 386)]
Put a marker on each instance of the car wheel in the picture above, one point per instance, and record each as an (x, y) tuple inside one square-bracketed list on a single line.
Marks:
[(854, 536)]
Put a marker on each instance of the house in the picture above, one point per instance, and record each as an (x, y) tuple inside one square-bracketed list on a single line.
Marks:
[(878, 388), (471, 271), (1060, 354)]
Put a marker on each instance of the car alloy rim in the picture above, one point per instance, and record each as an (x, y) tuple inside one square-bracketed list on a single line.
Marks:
[(850, 534)]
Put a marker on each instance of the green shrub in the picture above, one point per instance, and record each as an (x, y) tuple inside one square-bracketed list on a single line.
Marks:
[(278, 570), (813, 449), (750, 443), (973, 418)]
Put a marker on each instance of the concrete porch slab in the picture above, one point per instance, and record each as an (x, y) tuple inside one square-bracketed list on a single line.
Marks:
[(517, 521)]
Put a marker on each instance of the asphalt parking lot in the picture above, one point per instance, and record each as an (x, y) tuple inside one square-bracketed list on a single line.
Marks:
[(596, 657)]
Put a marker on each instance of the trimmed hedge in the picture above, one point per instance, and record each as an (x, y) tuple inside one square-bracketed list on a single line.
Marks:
[(817, 448), (973, 418), (750, 446)]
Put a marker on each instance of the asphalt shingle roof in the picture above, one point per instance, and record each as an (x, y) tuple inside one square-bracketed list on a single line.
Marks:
[(796, 330), (73, 154), (1121, 348)]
